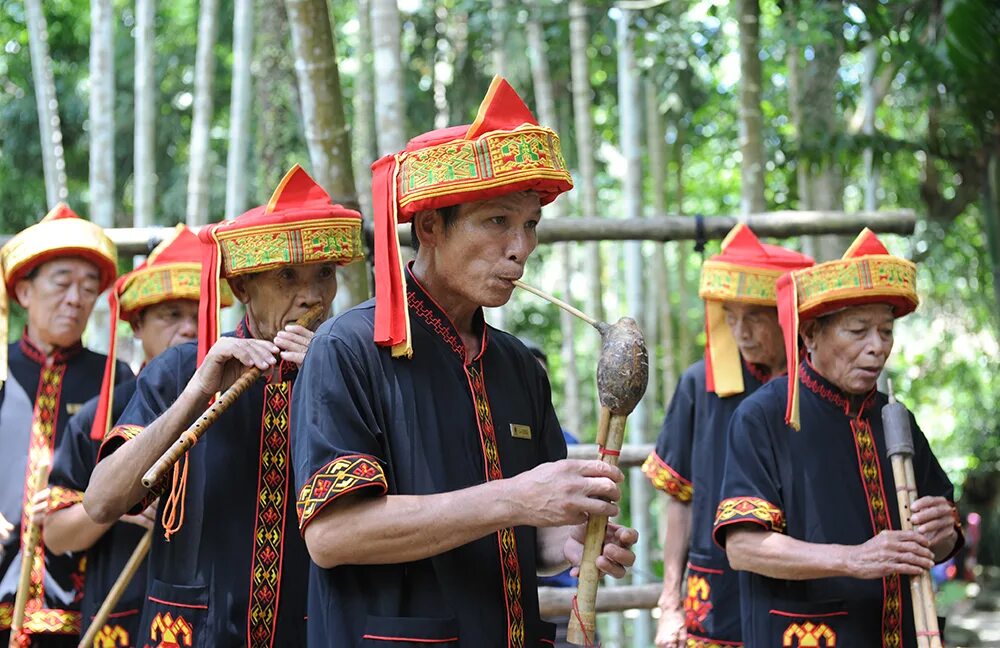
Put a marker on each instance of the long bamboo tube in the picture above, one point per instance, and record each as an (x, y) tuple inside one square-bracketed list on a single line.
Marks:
[(191, 435), (899, 447), (116, 591)]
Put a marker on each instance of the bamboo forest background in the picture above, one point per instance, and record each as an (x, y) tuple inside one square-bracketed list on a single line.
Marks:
[(664, 107)]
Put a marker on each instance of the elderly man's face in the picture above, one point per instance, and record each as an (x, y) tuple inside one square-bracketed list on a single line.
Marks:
[(59, 299), (757, 333), (477, 257), (849, 348), (276, 298), (166, 324)]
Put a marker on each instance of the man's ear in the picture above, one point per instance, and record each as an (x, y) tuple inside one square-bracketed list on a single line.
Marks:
[(428, 225), (808, 331), (23, 291), (238, 285)]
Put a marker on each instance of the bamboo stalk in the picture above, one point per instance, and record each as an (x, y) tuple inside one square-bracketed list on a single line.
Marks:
[(116, 591)]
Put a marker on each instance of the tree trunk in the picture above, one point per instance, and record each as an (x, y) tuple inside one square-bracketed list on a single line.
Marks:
[(275, 96), (239, 109), (201, 120), (366, 140), (586, 185), (751, 120), (685, 338), (812, 87), (53, 161), (629, 123), (324, 124), (659, 279), (870, 98), (102, 113), (144, 138), (546, 106), (498, 21), (390, 107)]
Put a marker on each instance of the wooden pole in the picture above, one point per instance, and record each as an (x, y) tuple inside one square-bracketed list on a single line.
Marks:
[(115, 594)]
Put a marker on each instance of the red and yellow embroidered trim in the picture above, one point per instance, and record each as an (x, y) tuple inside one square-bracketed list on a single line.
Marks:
[(112, 636), (255, 249), (750, 509), (495, 159), (342, 475), (731, 282), (861, 277), (871, 478), (667, 479), (510, 566), (160, 283), (800, 635), (171, 632), (42, 620), (697, 603), (60, 498), (40, 447), (268, 543)]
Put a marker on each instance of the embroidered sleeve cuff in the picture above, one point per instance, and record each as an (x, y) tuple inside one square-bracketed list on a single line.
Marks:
[(667, 479), (342, 475), (60, 498), (752, 510), (116, 438)]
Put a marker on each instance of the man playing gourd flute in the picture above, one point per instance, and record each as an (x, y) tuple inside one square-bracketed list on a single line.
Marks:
[(430, 464), (159, 300), (227, 567), (55, 270)]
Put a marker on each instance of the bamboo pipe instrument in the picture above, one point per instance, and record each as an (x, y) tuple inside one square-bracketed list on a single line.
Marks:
[(116, 591), (899, 447), (191, 435), (622, 375), (32, 538)]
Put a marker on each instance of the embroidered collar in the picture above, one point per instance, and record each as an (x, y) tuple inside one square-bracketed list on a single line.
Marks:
[(850, 404), (434, 317), (59, 355), (761, 373)]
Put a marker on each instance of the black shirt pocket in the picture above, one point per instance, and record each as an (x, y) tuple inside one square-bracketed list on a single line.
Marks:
[(175, 615)]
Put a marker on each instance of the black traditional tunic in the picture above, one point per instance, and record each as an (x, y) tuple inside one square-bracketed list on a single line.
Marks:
[(688, 465), (365, 422), (235, 572), (74, 462), (36, 401), (831, 482)]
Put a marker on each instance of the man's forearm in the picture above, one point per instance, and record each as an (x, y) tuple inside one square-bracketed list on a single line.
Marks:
[(71, 529), (675, 550), (116, 484), (777, 555), (361, 530)]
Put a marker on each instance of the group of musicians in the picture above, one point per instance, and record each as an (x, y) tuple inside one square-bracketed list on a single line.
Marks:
[(398, 476)]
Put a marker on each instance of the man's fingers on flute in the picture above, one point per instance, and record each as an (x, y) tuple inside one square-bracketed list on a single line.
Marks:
[(595, 468), (610, 567)]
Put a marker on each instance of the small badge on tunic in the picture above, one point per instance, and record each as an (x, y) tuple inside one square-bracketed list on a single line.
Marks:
[(73, 408), (520, 431)]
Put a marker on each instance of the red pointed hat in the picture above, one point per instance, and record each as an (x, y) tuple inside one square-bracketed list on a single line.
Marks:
[(503, 151), (866, 274), (171, 271), (745, 271), (61, 233), (299, 224)]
